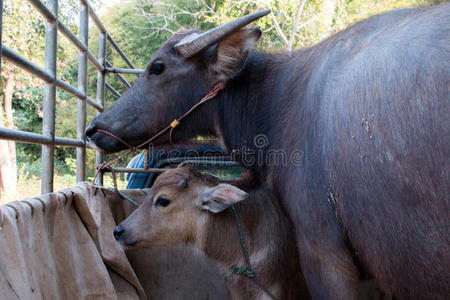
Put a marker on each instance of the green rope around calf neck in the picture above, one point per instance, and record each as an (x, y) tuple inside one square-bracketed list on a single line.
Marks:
[(248, 270)]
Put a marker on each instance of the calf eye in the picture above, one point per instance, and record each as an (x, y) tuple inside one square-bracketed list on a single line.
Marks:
[(157, 68), (162, 202)]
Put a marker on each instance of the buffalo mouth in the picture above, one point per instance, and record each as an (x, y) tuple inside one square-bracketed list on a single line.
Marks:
[(102, 142), (105, 143)]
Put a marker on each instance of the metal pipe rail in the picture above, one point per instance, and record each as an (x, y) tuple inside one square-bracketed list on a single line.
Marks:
[(47, 139), (101, 96), (118, 50), (34, 69), (135, 170), (66, 32), (124, 71), (94, 17), (118, 76), (112, 90), (180, 161), (25, 64), (212, 162), (49, 103), (35, 138), (81, 46)]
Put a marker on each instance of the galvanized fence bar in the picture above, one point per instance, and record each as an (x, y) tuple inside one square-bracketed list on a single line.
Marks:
[(48, 127), (36, 138), (229, 163), (62, 141), (70, 89), (94, 104), (71, 37), (117, 48), (1, 31), (94, 17), (124, 71), (82, 85), (47, 12), (118, 76), (181, 161), (135, 170), (32, 68), (102, 29), (112, 90), (47, 139), (94, 61), (146, 158), (101, 95), (25, 64)]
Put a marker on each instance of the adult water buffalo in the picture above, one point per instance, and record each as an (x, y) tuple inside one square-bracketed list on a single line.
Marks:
[(367, 112)]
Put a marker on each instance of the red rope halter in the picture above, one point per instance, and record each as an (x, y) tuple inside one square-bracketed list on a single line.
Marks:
[(105, 165)]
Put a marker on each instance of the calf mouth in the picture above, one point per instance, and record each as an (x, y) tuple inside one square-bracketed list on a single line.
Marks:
[(127, 242), (123, 237)]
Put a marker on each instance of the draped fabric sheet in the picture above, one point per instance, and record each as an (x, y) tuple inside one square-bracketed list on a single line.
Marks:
[(60, 246)]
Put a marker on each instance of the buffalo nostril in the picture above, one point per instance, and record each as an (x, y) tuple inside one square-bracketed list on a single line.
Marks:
[(118, 231), (90, 130)]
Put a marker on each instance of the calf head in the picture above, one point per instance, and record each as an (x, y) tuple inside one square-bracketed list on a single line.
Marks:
[(177, 209), (180, 73)]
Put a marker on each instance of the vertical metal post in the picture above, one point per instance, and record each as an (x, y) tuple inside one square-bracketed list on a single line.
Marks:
[(101, 94), (48, 127), (1, 30), (82, 85), (146, 154)]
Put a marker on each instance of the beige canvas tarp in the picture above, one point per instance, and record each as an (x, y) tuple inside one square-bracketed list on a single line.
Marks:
[(60, 246)]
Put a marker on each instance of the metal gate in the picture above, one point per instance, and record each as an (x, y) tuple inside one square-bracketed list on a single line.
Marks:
[(47, 139)]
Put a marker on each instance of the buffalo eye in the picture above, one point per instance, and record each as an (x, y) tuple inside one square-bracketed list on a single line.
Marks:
[(162, 202), (157, 68)]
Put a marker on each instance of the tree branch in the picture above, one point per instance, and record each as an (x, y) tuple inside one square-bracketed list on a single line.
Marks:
[(279, 31), (296, 25)]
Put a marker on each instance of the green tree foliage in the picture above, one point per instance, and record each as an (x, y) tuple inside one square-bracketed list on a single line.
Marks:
[(291, 24)]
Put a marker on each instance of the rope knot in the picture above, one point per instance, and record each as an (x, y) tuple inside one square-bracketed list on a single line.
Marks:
[(220, 85), (101, 166), (248, 272)]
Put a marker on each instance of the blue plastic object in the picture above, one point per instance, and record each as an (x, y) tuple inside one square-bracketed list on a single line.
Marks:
[(145, 180)]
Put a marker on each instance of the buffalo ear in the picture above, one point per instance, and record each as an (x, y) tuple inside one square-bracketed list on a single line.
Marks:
[(232, 52), (218, 198)]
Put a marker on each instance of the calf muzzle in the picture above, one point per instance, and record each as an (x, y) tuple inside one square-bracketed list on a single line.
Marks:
[(118, 231)]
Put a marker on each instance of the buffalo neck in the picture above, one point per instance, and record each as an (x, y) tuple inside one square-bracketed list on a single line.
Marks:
[(251, 111)]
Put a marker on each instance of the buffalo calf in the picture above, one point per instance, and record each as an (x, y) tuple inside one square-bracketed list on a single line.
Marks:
[(187, 206)]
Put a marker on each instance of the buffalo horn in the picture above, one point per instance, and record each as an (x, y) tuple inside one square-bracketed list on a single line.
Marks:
[(196, 43)]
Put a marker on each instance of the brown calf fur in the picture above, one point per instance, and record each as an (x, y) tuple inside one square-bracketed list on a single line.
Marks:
[(187, 206)]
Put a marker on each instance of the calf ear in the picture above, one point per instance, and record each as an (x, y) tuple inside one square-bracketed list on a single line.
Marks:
[(218, 198), (232, 52)]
